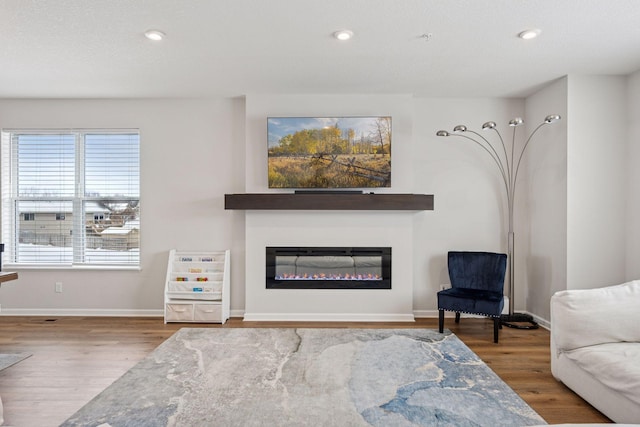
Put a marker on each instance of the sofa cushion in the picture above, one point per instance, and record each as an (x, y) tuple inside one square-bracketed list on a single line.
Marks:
[(584, 317), (615, 365)]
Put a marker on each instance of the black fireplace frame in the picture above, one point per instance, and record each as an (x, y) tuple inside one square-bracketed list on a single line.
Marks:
[(273, 283)]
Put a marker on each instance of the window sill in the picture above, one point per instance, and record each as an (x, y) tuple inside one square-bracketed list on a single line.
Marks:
[(41, 267)]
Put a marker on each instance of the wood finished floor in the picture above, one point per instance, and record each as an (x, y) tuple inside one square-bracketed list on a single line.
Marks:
[(75, 358)]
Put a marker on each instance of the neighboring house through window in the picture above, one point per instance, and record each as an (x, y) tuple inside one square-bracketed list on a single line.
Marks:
[(71, 198)]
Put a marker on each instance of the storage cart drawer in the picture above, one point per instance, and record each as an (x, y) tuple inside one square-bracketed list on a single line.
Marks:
[(179, 312), (208, 313)]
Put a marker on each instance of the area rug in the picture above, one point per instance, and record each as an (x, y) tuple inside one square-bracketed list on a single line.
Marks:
[(308, 377), (10, 359)]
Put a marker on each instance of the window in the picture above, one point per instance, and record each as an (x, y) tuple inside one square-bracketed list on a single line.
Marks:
[(71, 198)]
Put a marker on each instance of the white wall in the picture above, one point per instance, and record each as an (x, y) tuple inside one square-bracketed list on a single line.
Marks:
[(189, 160), (597, 188), (541, 204), (331, 229), (633, 179), (583, 190), (466, 184), (470, 200), (335, 228), (195, 151), (259, 107)]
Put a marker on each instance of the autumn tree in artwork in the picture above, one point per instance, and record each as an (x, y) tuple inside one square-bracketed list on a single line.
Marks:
[(382, 133), (333, 156)]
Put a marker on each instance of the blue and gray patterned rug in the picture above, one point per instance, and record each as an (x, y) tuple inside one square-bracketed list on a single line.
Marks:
[(308, 377), (10, 359)]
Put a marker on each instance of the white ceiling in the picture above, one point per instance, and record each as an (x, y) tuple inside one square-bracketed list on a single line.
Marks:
[(96, 48)]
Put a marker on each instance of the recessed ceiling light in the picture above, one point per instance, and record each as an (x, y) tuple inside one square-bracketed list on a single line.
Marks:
[(343, 35), (155, 35), (529, 34)]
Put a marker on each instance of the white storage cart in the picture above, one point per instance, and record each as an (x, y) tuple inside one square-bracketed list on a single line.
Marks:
[(197, 287)]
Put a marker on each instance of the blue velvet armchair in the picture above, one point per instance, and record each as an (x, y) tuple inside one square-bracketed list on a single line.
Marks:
[(477, 284)]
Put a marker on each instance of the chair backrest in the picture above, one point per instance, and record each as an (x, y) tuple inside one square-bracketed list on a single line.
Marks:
[(477, 270)]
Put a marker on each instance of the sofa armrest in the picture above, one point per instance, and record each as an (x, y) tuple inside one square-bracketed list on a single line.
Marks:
[(583, 317)]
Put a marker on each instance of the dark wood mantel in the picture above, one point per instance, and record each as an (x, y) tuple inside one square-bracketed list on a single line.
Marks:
[(329, 201)]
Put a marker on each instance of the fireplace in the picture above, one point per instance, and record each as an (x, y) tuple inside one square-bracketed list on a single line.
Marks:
[(328, 268)]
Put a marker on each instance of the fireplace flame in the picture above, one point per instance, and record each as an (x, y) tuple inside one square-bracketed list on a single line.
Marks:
[(325, 276)]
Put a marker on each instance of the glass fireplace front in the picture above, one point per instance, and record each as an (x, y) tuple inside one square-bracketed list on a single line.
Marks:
[(328, 267)]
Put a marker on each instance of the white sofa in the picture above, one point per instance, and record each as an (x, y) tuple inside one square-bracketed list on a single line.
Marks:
[(595, 347)]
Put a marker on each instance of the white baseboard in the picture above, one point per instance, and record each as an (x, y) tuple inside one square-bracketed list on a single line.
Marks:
[(80, 312), (544, 323), (266, 317), (434, 313), (92, 313), (236, 313), (327, 317), (424, 314)]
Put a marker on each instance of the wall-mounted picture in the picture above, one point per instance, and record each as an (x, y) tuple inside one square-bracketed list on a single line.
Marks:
[(329, 152)]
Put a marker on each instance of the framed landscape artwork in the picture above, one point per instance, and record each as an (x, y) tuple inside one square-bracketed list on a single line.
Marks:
[(329, 152)]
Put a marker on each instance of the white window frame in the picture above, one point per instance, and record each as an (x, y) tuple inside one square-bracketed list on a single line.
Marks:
[(11, 217)]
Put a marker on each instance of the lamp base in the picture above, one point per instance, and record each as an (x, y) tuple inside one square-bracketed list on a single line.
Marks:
[(516, 321)]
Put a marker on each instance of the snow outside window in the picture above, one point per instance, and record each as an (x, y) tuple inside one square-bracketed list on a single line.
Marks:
[(71, 198)]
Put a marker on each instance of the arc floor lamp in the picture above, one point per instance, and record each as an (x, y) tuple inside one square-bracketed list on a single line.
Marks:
[(508, 162)]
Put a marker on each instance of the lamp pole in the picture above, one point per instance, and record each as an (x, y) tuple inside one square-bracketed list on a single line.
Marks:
[(506, 162)]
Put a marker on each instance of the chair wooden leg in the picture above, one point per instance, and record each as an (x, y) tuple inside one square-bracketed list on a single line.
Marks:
[(440, 320), (496, 327), (457, 317)]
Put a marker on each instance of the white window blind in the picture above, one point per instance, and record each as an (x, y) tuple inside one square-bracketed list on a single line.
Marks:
[(71, 198)]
